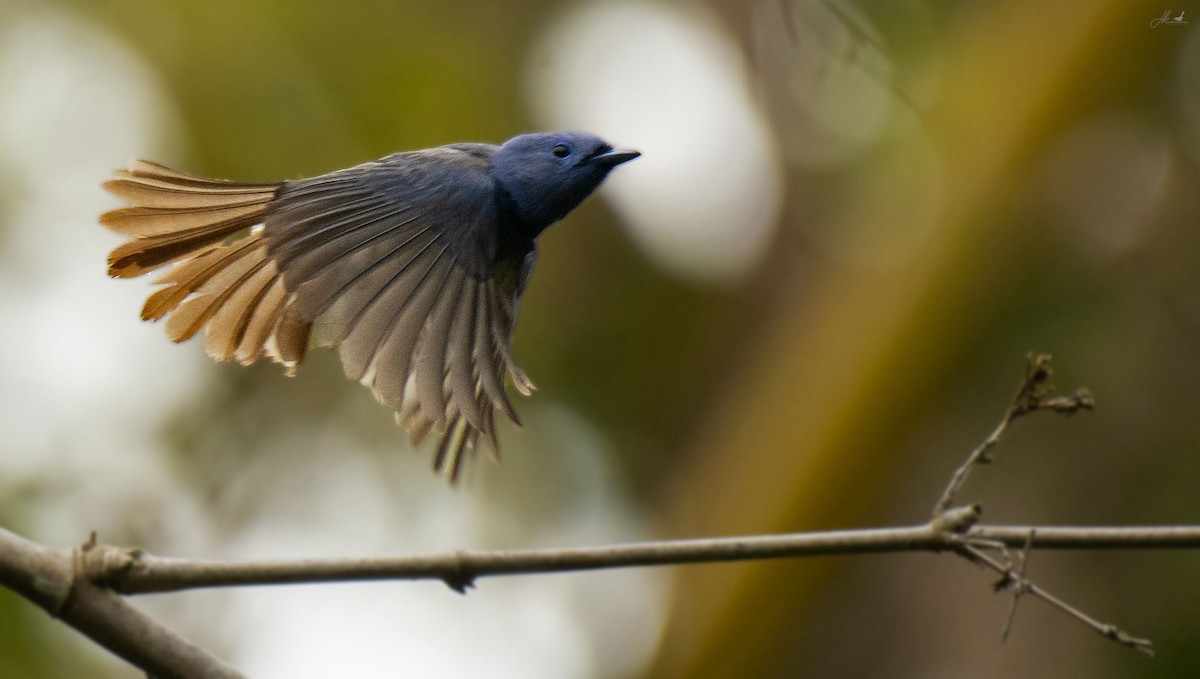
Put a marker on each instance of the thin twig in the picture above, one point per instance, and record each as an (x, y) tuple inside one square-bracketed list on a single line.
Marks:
[(1019, 585), (1030, 397), (1106, 630)]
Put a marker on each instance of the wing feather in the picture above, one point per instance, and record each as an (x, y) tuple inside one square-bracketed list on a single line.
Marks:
[(262, 323), (191, 316), (391, 360), (464, 389), (489, 359), (394, 262), (431, 358), (187, 278)]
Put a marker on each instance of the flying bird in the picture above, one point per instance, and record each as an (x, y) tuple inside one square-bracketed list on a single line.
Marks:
[(412, 266)]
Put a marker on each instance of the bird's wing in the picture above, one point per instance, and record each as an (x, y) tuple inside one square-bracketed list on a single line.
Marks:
[(398, 263), (395, 263)]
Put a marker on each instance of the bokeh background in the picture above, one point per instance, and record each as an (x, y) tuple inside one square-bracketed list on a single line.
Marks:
[(799, 310)]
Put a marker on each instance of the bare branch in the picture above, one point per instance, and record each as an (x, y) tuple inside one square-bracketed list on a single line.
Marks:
[(82, 586), (1093, 537), (48, 578), (460, 569), (133, 572), (53, 580)]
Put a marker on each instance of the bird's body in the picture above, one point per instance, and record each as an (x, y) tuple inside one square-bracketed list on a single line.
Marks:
[(412, 266)]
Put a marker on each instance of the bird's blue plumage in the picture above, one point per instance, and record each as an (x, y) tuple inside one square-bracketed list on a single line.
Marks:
[(412, 266), (549, 174)]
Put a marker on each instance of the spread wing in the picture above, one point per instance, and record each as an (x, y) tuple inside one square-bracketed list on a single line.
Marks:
[(397, 263)]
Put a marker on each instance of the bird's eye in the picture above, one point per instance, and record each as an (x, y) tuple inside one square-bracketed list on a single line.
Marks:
[(562, 151)]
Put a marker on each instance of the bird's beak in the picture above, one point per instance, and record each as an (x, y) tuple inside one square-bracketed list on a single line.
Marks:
[(615, 157)]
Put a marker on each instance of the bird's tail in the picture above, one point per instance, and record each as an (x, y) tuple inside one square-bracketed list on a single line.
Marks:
[(222, 278)]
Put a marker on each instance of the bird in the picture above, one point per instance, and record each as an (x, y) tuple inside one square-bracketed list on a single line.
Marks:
[(411, 267)]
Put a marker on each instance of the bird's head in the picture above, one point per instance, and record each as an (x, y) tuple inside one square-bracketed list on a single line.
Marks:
[(548, 174)]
